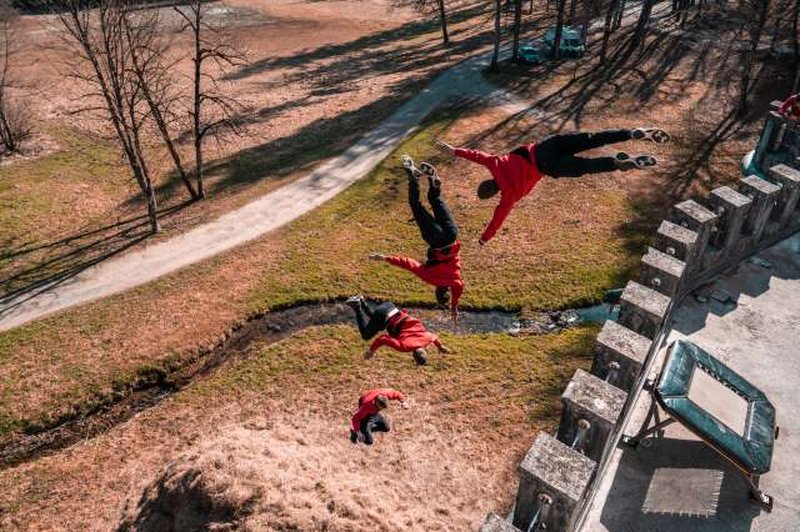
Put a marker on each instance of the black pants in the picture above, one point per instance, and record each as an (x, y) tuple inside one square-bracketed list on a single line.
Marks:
[(555, 155), (373, 423), (372, 320), (438, 230)]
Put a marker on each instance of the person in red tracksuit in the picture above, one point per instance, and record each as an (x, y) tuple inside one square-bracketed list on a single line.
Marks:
[(403, 333), (368, 417), (790, 108), (514, 174), (442, 268)]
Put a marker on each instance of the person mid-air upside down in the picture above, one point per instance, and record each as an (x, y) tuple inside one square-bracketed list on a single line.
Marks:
[(514, 174), (438, 228)]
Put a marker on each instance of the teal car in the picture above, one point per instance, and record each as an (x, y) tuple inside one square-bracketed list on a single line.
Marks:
[(541, 50), (571, 44)]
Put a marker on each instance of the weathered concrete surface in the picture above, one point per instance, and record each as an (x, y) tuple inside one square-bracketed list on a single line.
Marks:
[(628, 349), (661, 272), (671, 486), (642, 309), (553, 469), (594, 400), (495, 523), (676, 240)]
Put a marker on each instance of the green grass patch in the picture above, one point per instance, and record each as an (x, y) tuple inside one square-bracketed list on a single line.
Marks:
[(546, 256)]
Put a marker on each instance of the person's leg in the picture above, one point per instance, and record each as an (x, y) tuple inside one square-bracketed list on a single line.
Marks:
[(373, 423), (363, 320), (428, 228), (572, 143), (448, 232), (572, 166)]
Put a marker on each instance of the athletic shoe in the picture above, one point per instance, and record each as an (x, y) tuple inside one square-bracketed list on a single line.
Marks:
[(419, 358), (354, 301), (433, 176), (659, 136), (408, 162), (624, 162), (643, 161)]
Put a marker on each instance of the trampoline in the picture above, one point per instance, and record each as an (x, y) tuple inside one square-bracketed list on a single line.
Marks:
[(720, 407)]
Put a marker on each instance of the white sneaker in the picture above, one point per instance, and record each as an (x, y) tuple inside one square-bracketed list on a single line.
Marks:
[(659, 136)]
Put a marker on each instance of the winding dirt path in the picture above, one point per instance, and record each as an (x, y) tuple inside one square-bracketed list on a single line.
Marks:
[(265, 214)]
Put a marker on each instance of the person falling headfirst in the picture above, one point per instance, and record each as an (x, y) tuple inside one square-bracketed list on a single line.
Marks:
[(403, 333), (442, 268), (514, 174), (368, 418)]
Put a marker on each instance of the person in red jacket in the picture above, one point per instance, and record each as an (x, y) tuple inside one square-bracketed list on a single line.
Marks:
[(403, 333), (790, 108), (438, 228), (368, 418), (514, 174)]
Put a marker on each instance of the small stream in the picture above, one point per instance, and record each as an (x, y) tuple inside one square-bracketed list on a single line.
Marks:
[(152, 387)]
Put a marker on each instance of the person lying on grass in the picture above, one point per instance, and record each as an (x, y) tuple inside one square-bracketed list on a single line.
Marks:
[(790, 108), (403, 333), (514, 174), (442, 268), (368, 418)]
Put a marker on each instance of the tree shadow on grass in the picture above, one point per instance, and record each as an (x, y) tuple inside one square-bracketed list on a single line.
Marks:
[(56, 262)]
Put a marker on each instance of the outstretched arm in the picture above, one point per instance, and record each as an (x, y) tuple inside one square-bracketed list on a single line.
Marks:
[(476, 156), (500, 215), (404, 262)]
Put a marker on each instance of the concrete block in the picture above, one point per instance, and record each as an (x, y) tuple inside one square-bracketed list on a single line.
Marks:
[(691, 215), (554, 472), (642, 309), (661, 272), (591, 407), (763, 195), (495, 523), (676, 241), (621, 346), (732, 208), (789, 179)]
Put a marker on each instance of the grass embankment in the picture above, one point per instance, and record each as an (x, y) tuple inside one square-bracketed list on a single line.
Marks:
[(561, 247)]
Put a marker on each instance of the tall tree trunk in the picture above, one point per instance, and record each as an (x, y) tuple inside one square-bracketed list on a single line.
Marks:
[(443, 22), (559, 28), (495, 65), (607, 29), (587, 18), (517, 25), (573, 4), (746, 80), (795, 37), (197, 107), (619, 15)]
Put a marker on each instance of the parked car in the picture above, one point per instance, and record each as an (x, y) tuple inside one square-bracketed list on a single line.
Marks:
[(571, 43)]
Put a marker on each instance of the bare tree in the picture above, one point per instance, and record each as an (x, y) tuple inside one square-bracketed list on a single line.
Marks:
[(213, 112), (498, 13), (152, 71), (13, 125), (756, 30), (559, 28), (97, 37), (428, 7), (517, 28)]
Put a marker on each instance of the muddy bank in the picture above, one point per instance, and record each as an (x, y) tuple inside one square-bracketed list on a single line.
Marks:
[(153, 385)]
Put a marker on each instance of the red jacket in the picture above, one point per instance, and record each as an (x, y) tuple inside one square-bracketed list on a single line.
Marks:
[(514, 175), (442, 270), (786, 107), (367, 406), (407, 334)]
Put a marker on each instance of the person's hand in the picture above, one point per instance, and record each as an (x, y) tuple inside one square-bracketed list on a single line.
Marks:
[(445, 350), (377, 256), (369, 353), (353, 436), (404, 405), (445, 148), (482, 242), (454, 315)]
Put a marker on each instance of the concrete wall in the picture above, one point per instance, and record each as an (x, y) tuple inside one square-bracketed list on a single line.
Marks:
[(700, 239)]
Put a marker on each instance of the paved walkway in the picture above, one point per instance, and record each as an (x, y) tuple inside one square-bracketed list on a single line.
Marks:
[(265, 214), (678, 484)]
